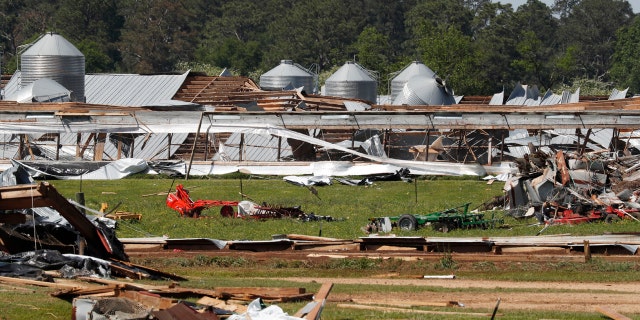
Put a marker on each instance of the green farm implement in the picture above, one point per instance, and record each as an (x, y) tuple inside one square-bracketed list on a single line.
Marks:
[(444, 221)]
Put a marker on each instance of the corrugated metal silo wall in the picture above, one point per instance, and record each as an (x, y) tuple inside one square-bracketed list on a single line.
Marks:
[(366, 90), (281, 81), (66, 70)]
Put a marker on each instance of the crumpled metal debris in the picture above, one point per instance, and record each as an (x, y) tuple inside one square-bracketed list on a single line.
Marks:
[(574, 187)]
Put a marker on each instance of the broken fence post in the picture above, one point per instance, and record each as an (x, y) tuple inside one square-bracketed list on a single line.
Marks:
[(587, 251)]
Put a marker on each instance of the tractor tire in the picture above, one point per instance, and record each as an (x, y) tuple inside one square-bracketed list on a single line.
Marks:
[(407, 222), (227, 211), (611, 218)]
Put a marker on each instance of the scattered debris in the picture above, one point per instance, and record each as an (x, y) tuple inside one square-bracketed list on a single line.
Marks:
[(101, 241), (567, 188)]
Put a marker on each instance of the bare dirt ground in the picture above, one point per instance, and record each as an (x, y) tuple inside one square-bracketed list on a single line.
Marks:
[(565, 296), (513, 295)]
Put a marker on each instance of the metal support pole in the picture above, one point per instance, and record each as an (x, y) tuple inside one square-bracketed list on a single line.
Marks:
[(193, 148)]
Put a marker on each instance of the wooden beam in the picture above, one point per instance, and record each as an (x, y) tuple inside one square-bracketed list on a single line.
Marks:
[(611, 313)]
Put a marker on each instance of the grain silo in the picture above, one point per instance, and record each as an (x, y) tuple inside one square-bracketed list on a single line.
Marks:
[(415, 68), (423, 90), (288, 75), (55, 58), (352, 81)]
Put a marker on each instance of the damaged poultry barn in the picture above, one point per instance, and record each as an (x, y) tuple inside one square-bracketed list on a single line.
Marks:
[(564, 158)]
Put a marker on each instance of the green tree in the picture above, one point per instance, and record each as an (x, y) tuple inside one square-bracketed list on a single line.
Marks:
[(232, 35), (451, 55), (496, 42), (157, 34), (95, 26), (316, 32), (21, 22), (372, 50), (590, 27), (536, 45), (625, 69)]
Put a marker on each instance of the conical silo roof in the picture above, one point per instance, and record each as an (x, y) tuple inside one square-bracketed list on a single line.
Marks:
[(423, 90), (52, 44), (352, 81), (351, 71), (415, 68), (285, 74), (53, 57)]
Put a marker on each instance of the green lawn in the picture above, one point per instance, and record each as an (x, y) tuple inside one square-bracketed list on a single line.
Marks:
[(351, 206)]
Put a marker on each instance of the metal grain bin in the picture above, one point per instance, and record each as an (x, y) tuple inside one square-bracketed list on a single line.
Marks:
[(423, 90), (55, 58), (288, 74), (352, 81), (415, 68)]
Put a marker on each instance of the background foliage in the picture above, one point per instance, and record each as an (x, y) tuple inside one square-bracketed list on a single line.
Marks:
[(481, 47)]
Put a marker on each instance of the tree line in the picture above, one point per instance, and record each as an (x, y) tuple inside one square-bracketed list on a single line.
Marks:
[(477, 46)]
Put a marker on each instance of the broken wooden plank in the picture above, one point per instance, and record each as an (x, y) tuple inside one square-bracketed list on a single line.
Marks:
[(75, 292), (317, 305), (611, 313), (146, 298), (20, 281)]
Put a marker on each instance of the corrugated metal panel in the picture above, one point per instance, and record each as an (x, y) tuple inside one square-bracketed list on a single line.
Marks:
[(155, 147), (256, 148), (550, 98), (598, 138), (523, 95), (131, 90), (497, 99), (616, 94), (152, 147), (356, 106), (9, 144), (41, 90), (13, 85)]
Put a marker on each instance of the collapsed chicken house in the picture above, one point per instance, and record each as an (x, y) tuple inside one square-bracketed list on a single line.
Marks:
[(570, 187)]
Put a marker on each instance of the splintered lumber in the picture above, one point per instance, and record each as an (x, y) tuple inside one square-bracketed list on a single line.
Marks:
[(123, 215), (129, 285), (313, 309), (267, 294), (45, 195), (146, 298), (611, 313), (20, 281), (74, 292), (222, 304), (151, 271), (405, 310)]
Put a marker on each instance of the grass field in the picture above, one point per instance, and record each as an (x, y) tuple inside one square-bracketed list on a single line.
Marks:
[(350, 206)]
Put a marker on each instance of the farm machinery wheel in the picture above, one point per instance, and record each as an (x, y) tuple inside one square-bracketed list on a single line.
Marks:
[(407, 222)]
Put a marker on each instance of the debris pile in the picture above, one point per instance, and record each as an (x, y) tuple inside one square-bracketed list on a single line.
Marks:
[(574, 187)]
